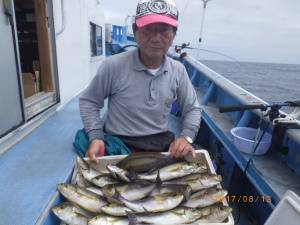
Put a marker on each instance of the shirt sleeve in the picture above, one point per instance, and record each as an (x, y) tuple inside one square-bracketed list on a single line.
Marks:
[(189, 106), (92, 101)]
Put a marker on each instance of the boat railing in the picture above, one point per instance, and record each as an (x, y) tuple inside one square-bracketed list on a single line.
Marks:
[(221, 91)]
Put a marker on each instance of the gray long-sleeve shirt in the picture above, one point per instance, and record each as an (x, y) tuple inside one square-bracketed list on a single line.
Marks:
[(138, 102)]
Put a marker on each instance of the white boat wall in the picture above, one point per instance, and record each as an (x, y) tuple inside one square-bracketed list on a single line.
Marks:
[(63, 47), (75, 65)]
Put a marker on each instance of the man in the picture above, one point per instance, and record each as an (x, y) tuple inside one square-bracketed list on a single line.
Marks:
[(141, 86)]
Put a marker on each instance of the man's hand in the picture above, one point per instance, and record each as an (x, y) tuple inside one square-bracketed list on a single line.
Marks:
[(180, 147), (95, 150)]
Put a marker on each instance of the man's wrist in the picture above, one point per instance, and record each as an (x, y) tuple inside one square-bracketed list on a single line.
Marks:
[(96, 141), (95, 134)]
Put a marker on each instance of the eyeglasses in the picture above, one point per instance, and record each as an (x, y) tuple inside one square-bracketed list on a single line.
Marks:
[(163, 30)]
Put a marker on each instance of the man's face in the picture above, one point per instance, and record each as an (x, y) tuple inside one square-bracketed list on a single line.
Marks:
[(155, 39)]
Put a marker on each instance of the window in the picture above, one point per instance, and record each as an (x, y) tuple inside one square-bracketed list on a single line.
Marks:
[(96, 40)]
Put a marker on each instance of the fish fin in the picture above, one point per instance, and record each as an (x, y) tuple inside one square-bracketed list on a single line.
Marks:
[(117, 196), (152, 170), (113, 200), (146, 211), (131, 218), (158, 180)]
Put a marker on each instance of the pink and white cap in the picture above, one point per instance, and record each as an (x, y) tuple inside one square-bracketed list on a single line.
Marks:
[(156, 11)]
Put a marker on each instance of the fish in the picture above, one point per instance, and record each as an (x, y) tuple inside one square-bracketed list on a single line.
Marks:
[(130, 191), (103, 180), (71, 214), (206, 197), (157, 203), (214, 214), (95, 190), (81, 181), (116, 210), (184, 189), (140, 162), (108, 220), (173, 171), (118, 173), (180, 215), (87, 172), (198, 181), (81, 197), (81, 163)]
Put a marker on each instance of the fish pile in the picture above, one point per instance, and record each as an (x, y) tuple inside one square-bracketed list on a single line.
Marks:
[(143, 188)]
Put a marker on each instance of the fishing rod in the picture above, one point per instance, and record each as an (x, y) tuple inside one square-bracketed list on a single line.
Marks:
[(179, 48), (202, 24), (272, 111)]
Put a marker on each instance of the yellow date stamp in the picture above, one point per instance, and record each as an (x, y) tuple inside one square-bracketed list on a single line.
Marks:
[(249, 198)]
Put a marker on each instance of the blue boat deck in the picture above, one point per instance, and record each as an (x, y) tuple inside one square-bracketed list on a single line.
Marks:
[(31, 170)]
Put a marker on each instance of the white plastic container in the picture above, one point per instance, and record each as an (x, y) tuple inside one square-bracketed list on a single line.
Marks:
[(200, 156), (244, 137), (287, 211)]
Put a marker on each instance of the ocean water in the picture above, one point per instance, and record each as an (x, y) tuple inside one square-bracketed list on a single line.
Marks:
[(271, 82)]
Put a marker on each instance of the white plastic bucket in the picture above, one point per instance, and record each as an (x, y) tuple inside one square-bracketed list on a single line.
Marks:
[(243, 139)]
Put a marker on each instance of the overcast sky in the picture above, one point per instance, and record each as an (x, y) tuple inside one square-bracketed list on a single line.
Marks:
[(248, 30)]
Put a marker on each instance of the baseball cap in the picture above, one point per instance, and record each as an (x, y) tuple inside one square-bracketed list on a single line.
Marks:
[(156, 11)]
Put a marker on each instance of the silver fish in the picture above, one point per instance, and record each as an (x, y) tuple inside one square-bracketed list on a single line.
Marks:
[(95, 190), (206, 197), (130, 191), (71, 214), (116, 210), (81, 163), (108, 220), (175, 170), (180, 215), (81, 197), (81, 181), (118, 172), (214, 214), (87, 172), (103, 180), (157, 203), (184, 189), (198, 181)]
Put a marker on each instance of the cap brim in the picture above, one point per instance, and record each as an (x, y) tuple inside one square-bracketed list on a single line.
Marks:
[(155, 18)]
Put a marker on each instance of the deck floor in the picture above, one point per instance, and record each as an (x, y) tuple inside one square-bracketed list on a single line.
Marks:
[(31, 169)]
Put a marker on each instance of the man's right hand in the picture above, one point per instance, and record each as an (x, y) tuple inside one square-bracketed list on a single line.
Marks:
[(95, 150)]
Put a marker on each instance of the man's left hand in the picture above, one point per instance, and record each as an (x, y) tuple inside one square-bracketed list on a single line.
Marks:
[(180, 148)]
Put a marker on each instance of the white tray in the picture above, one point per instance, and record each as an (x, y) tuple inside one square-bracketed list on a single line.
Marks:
[(200, 156)]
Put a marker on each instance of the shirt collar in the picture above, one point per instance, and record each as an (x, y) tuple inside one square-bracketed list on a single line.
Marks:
[(139, 66)]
